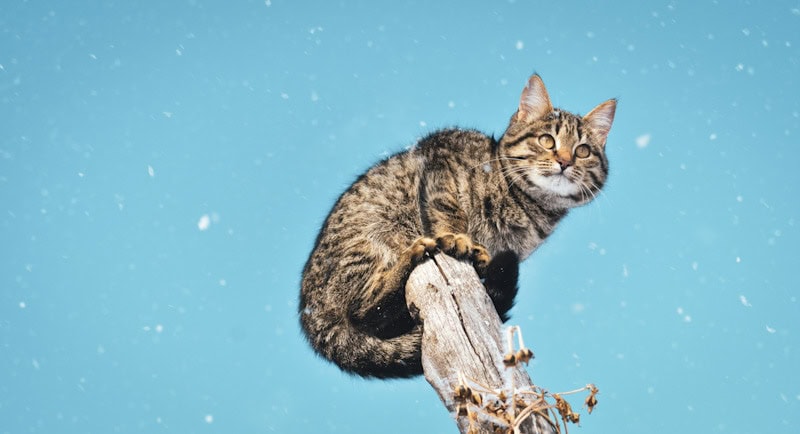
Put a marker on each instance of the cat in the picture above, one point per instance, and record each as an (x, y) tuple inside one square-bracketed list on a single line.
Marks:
[(457, 191)]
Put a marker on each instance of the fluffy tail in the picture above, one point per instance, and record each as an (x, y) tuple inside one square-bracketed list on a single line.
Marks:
[(360, 353)]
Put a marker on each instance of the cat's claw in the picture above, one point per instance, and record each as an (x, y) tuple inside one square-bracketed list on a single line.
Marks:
[(461, 246), (421, 248)]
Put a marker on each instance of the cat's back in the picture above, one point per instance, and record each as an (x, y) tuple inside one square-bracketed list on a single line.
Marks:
[(388, 191), (382, 202), (454, 144), (394, 180)]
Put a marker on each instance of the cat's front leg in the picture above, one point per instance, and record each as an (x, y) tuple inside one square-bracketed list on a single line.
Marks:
[(444, 217), (499, 273)]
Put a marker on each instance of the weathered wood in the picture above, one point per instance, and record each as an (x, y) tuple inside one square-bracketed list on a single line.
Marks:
[(463, 334)]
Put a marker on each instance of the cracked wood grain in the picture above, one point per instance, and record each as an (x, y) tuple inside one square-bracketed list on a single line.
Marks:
[(461, 333)]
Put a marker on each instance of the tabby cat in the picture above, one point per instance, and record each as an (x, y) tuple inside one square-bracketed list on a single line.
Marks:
[(457, 191)]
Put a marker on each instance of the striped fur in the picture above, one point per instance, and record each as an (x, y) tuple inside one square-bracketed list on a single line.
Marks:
[(506, 196)]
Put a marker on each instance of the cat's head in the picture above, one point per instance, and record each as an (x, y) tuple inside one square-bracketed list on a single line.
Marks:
[(553, 154)]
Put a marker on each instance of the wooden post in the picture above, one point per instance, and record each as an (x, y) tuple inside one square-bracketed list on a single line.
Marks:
[(463, 339)]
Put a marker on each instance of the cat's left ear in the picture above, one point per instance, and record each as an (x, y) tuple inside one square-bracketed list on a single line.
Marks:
[(534, 102), (600, 119)]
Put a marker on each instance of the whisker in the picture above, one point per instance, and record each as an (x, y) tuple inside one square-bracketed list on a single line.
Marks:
[(594, 192), (587, 191), (514, 174), (492, 160)]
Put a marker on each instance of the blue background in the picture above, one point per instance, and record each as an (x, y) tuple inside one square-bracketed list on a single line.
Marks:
[(165, 167)]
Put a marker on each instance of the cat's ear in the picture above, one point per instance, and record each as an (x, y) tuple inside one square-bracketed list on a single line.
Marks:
[(600, 119), (534, 102)]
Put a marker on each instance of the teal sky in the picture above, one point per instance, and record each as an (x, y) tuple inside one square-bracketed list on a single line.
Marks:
[(165, 167)]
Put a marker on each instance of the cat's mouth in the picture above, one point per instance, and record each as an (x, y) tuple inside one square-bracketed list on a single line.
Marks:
[(557, 184)]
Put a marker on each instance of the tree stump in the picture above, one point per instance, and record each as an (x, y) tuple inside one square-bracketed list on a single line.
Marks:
[(463, 339)]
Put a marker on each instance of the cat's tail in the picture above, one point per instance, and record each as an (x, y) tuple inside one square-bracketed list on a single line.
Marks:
[(363, 354)]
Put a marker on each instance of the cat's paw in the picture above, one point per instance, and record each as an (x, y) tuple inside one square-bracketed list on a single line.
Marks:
[(420, 249), (461, 246)]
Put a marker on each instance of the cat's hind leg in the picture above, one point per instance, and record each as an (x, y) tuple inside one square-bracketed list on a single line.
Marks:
[(501, 278), (381, 308)]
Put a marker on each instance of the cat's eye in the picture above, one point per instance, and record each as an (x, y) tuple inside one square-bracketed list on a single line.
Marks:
[(547, 141), (582, 151)]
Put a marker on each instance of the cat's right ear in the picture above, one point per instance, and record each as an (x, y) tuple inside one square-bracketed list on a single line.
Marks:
[(601, 118), (534, 102)]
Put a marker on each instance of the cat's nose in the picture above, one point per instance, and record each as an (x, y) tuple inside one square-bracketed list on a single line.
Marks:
[(564, 163)]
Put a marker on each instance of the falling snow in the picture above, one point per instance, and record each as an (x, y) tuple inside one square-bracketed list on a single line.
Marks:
[(98, 244), (204, 223), (744, 301), (642, 141), (684, 316)]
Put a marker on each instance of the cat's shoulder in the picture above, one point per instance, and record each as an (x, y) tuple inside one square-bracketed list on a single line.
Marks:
[(454, 140)]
